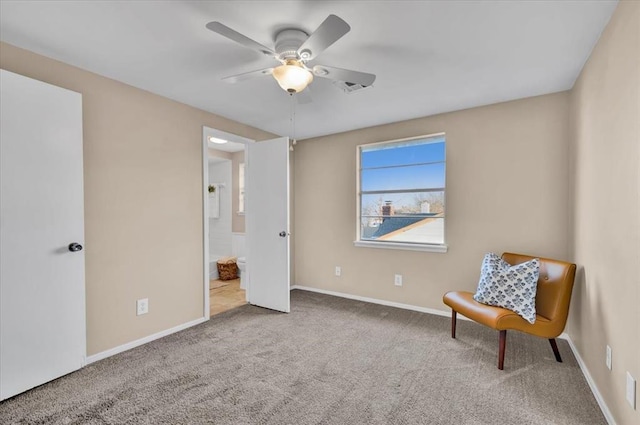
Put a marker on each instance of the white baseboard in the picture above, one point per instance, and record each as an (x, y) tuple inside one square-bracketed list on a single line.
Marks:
[(378, 301), (141, 341), (594, 389)]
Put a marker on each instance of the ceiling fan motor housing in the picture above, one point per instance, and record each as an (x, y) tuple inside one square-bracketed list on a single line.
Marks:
[(288, 42)]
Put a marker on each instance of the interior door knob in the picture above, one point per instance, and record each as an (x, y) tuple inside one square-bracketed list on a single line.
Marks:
[(283, 234), (75, 247)]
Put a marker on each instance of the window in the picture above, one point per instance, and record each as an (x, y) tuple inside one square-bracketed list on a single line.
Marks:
[(401, 194), (241, 188)]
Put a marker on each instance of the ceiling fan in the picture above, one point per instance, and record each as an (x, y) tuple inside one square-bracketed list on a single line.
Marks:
[(295, 48)]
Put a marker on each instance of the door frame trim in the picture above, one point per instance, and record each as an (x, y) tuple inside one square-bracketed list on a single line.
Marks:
[(206, 132)]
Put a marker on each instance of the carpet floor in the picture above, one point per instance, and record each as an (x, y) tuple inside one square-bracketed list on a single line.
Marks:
[(330, 361)]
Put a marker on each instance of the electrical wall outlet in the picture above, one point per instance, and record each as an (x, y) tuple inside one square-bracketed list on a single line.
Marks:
[(397, 280), (631, 390), (142, 306), (338, 271), (608, 358)]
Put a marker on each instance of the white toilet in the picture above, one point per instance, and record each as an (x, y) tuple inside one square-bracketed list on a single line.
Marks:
[(244, 277)]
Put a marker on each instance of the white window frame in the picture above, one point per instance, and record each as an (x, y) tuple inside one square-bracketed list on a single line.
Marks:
[(410, 246)]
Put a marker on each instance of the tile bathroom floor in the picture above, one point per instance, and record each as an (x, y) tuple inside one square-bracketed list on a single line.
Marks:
[(225, 297)]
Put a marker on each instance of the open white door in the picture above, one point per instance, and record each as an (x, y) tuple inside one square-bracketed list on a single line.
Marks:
[(267, 223), (42, 293)]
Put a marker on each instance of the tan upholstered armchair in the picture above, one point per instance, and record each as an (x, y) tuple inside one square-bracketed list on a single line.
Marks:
[(553, 295)]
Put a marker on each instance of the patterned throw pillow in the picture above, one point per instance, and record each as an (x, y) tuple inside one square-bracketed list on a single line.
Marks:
[(510, 287)]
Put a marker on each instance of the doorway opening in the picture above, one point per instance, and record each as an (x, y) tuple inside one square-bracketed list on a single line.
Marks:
[(225, 275)]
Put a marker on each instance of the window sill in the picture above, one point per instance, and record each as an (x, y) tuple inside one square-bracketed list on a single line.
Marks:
[(399, 245)]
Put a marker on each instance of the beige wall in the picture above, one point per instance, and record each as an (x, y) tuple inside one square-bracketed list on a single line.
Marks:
[(606, 233), (237, 225), (143, 200), (507, 190)]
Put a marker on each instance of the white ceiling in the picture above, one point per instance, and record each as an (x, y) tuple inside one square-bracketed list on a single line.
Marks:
[(230, 147), (429, 56), (234, 143)]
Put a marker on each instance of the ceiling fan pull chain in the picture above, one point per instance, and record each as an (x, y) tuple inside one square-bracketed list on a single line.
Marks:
[(293, 122)]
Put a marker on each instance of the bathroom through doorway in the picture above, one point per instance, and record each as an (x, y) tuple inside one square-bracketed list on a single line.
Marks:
[(224, 220)]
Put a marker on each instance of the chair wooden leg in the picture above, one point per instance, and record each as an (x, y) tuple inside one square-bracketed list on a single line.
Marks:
[(554, 347), (502, 347), (454, 314)]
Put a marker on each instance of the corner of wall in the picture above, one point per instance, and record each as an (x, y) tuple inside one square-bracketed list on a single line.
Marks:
[(604, 230)]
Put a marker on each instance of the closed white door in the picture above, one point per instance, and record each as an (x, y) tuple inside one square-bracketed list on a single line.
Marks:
[(42, 293), (267, 222)]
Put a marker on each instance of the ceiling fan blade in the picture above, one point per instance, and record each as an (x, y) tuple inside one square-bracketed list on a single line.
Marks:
[(239, 38), (248, 75), (348, 76), (332, 29)]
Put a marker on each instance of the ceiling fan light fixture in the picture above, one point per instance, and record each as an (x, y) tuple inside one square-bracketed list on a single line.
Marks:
[(292, 77)]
